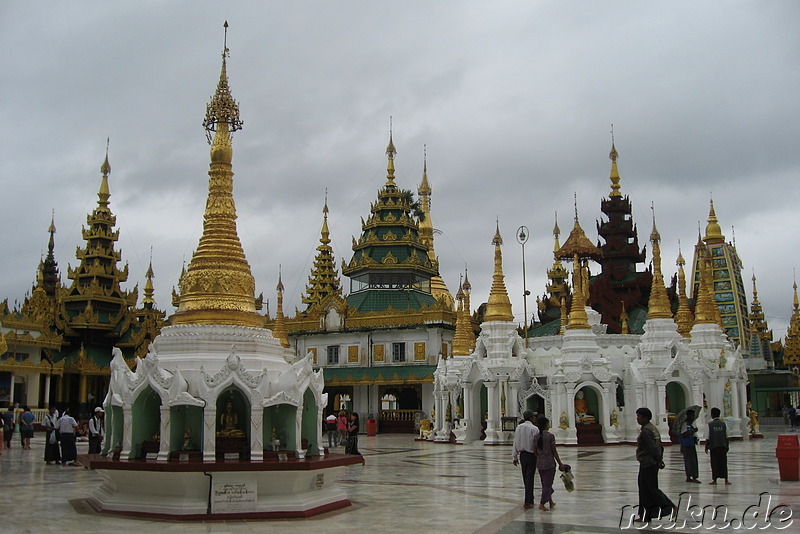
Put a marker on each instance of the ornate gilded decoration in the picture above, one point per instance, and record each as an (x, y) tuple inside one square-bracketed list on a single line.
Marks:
[(419, 351), (704, 309), (460, 341), (498, 308), (352, 354), (378, 353), (218, 287), (623, 319), (713, 230), (791, 351)]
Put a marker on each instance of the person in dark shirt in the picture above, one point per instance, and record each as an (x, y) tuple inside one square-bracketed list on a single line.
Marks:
[(717, 445), (650, 454)]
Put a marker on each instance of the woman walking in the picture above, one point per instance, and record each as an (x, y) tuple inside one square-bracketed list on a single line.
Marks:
[(546, 458)]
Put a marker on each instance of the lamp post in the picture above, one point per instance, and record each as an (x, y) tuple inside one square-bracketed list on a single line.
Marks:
[(522, 238)]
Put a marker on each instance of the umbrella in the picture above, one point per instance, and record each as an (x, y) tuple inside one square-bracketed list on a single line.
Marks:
[(681, 417)]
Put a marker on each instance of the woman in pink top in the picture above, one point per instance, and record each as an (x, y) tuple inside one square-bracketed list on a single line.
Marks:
[(341, 426), (546, 458)]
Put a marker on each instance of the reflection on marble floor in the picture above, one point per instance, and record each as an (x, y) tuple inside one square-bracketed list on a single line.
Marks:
[(408, 486)]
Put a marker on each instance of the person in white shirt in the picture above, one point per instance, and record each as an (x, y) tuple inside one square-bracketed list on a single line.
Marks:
[(69, 451), (524, 453), (97, 431)]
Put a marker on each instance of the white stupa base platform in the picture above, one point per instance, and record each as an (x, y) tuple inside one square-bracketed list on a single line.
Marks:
[(220, 490)]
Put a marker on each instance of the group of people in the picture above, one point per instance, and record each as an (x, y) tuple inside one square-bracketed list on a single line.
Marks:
[(61, 432), (790, 415), (535, 450), (650, 455), (20, 420), (343, 431)]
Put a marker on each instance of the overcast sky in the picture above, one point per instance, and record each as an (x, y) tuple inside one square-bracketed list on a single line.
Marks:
[(514, 99)]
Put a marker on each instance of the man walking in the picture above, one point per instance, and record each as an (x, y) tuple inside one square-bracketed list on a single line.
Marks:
[(650, 454), (524, 453), (717, 443), (688, 440), (66, 427)]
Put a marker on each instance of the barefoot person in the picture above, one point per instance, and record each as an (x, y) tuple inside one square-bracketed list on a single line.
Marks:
[(717, 444), (546, 458), (524, 453), (688, 440)]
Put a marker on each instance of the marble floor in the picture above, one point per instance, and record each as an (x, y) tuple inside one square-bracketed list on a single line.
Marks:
[(408, 486)]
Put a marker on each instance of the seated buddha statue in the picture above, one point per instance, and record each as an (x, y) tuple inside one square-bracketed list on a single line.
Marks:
[(229, 422), (582, 415)]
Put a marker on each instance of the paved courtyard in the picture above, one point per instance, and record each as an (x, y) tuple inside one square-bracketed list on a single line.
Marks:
[(408, 486)]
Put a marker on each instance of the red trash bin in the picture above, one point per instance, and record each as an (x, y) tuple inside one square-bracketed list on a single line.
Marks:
[(372, 427), (788, 454)]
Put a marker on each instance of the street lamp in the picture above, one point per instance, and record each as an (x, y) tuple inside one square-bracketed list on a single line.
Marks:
[(522, 238)]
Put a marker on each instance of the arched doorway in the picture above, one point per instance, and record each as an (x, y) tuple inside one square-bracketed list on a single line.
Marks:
[(309, 428), (146, 423), (588, 410), (535, 403)]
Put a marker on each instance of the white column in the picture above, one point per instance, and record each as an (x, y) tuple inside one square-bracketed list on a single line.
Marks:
[(11, 391), (298, 432), (662, 423), (209, 434), (46, 391), (127, 453), (512, 410), (257, 434), (493, 410), (166, 429)]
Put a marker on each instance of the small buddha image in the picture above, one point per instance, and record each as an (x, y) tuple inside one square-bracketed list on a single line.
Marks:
[(229, 422), (188, 444), (582, 414)]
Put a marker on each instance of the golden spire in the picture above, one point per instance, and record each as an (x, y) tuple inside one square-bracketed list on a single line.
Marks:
[(218, 287), (148, 301), (390, 152), (564, 317), (577, 244), (578, 319), (468, 311), (556, 234), (791, 351), (623, 319), (683, 316), (104, 193), (713, 230), (460, 342), (658, 307), (499, 306), (614, 177), (279, 332)]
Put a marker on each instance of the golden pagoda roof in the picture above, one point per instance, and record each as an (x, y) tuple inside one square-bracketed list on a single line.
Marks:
[(683, 316), (218, 287), (614, 176), (577, 244)]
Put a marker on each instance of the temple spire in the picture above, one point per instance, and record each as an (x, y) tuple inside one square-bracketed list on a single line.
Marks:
[(614, 176), (623, 320), (468, 311), (704, 307), (499, 306), (148, 300), (324, 280), (279, 332), (683, 316), (426, 231), (658, 306), (460, 344), (218, 287)]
